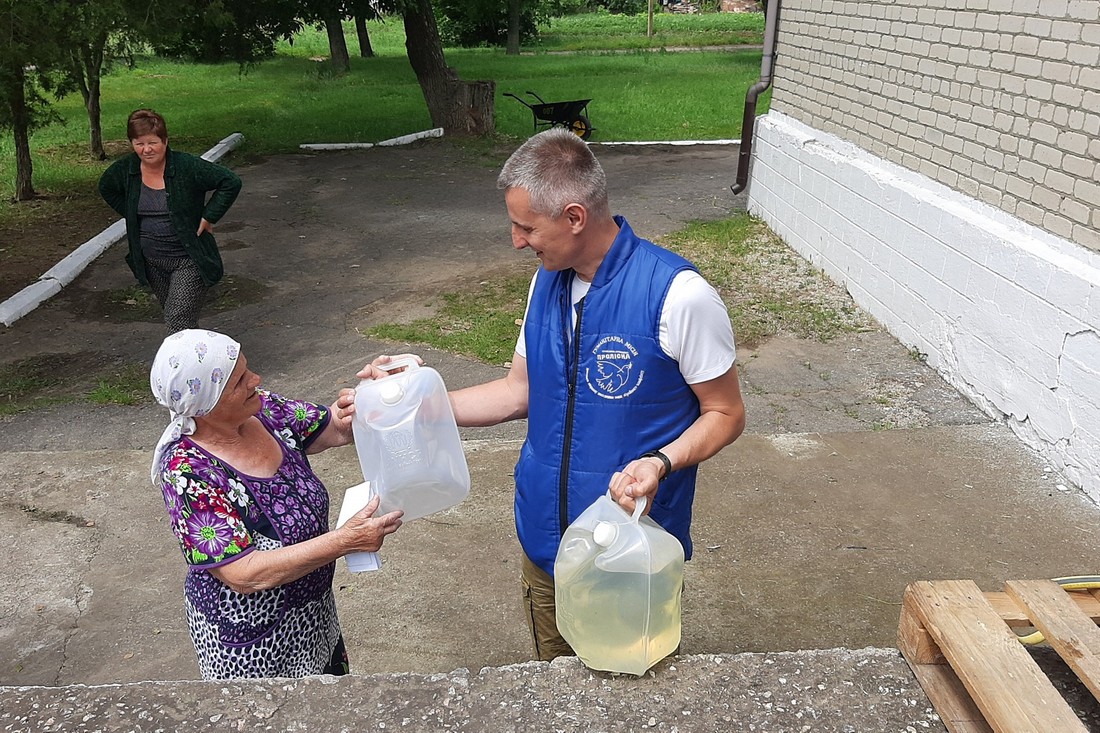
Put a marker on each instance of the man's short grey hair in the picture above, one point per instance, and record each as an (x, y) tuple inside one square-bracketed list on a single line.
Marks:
[(556, 168)]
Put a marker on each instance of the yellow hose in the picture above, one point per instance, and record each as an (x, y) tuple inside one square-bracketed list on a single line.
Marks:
[(1072, 582)]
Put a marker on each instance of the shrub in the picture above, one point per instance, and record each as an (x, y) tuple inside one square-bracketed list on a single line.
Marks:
[(622, 7)]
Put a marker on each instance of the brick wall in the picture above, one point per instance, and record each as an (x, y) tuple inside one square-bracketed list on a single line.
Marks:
[(998, 99), (940, 159)]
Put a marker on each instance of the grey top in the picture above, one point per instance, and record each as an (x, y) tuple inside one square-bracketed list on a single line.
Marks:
[(158, 238)]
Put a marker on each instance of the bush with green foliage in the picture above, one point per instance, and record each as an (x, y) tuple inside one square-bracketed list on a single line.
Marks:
[(213, 31), (621, 7), (475, 23)]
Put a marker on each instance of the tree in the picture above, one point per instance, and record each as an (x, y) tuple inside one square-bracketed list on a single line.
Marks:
[(623, 7), (365, 49), (330, 15), (103, 30), (223, 30), (459, 107), (496, 22), (362, 11), (515, 19), (32, 57), (337, 44)]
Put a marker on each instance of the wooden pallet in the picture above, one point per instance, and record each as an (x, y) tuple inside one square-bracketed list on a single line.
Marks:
[(972, 666)]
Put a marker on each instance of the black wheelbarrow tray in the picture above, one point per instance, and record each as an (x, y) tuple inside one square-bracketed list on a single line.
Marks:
[(572, 115)]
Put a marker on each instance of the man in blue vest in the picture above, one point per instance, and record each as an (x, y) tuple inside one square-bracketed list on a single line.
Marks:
[(624, 367)]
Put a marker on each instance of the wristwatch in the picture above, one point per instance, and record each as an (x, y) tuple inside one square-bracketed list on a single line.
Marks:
[(664, 460)]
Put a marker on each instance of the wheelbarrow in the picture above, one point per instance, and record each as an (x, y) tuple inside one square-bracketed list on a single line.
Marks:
[(571, 115)]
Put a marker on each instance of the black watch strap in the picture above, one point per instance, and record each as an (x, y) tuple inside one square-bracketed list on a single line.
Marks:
[(664, 460)]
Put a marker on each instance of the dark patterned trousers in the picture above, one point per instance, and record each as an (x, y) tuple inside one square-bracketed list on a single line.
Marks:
[(178, 286)]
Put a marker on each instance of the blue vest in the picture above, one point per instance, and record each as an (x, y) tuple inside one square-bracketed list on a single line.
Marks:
[(603, 398)]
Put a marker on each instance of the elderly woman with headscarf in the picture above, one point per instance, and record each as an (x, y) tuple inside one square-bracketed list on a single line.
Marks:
[(250, 514)]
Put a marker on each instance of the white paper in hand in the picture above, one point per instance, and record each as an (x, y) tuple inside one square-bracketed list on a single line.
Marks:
[(355, 499)]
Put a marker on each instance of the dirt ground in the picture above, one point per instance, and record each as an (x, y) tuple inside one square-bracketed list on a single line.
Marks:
[(59, 226), (413, 236)]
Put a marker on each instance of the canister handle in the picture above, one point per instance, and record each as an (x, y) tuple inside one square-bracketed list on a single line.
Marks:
[(408, 361), (639, 506)]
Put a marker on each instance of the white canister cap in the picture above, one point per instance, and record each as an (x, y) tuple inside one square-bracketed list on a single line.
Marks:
[(390, 393), (604, 533)]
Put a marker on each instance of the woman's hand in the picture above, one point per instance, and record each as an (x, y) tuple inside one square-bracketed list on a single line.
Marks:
[(364, 532), (374, 370), (204, 226), (342, 410), (266, 569), (338, 432)]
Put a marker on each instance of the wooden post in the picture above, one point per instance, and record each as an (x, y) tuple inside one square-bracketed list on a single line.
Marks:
[(649, 21)]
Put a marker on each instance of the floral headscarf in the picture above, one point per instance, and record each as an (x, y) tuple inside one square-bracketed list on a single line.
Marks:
[(188, 376)]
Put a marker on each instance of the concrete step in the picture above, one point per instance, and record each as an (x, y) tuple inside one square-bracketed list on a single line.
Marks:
[(837, 690)]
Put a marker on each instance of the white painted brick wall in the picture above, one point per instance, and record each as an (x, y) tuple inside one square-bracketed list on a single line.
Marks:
[(1005, 311), (911, 79)]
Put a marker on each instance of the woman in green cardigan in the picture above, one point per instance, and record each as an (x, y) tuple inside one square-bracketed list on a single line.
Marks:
[(162, 195)]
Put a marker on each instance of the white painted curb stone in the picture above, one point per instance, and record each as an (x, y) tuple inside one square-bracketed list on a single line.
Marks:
[(336, 146), (406, 139), (402, 140)]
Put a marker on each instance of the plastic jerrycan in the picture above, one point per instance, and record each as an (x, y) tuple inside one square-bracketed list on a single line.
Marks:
[(618, 580), (408, 442)]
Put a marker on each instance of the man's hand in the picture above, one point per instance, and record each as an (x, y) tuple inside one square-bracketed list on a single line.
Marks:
[(638, 478), (374, 370)]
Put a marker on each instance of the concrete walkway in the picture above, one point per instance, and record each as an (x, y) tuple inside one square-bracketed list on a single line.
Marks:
[(861, 471)]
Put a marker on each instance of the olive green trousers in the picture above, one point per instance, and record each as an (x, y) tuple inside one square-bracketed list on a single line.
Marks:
[(538, 602)]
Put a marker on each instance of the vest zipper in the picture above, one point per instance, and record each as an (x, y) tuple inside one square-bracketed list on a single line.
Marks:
[(563, 481)]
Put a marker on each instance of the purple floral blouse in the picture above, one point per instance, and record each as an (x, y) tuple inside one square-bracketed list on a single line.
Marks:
[(220, 514)]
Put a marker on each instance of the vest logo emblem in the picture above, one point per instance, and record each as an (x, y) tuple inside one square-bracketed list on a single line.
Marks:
[(615, 374)]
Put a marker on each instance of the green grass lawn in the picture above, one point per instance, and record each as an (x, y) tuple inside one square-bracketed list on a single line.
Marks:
[(294, 99), (606, 31), (583, 32)]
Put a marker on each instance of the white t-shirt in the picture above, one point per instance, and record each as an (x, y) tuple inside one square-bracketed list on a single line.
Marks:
[(695, 327)]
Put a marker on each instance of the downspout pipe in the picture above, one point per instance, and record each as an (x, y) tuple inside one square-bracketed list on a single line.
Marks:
[(767, 63)]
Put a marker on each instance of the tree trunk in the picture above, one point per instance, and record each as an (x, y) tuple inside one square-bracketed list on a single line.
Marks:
[(337, 46), (459, 107), (515, 11), (95, 120), (87, 64), (365, 49), (20, 125)]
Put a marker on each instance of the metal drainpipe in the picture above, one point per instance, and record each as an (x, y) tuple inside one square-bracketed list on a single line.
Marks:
[(767, 62)]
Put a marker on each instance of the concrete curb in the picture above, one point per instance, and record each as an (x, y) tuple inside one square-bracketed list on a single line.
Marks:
[(65, 271), (335, 146), (406, 139), (401, 140), (219, 151), (670, 142)]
